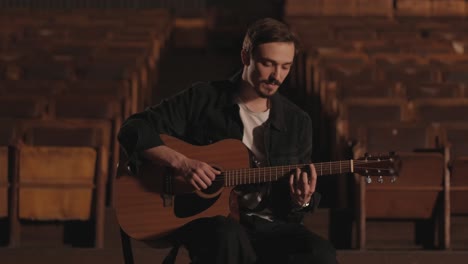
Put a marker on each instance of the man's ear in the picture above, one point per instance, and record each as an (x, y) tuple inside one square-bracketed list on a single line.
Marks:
[(245, 57)]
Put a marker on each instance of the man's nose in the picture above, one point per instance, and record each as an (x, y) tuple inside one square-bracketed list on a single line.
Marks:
[(276, 74)]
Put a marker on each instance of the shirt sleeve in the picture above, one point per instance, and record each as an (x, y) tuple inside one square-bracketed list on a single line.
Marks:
[(141, 131)]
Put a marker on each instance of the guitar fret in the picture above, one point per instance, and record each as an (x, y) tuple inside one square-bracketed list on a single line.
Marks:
[(269, 174)]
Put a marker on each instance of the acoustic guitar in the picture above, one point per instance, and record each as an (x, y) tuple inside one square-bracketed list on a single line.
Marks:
[(155, 202)]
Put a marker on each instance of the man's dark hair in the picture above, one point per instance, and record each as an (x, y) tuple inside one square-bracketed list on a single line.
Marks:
[(268, 30)]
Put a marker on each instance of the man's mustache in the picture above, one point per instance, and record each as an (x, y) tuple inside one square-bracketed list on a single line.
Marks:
[(272, 80)]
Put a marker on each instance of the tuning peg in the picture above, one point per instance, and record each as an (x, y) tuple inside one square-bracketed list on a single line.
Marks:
[(368, 179), (380, 179), (366, 156), (393, 179)]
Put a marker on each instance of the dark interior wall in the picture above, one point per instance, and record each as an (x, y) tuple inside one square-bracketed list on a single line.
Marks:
[(184, 7)]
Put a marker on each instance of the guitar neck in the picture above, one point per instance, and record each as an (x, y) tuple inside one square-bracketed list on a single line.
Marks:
[(269, 174)]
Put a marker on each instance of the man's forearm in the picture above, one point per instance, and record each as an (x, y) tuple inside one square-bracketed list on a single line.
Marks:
[(164, 155)]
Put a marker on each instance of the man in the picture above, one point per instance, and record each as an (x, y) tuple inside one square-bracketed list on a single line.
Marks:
[(246, 107)]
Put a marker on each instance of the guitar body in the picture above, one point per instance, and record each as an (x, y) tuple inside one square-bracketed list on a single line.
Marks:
[(143, 211)]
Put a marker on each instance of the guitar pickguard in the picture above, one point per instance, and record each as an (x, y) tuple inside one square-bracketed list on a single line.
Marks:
[(186, 205)]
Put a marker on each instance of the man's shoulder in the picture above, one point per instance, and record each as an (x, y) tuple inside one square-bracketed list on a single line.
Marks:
[(210, 86)]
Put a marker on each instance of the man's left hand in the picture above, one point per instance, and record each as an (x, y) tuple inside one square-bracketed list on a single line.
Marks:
[(302, 186)]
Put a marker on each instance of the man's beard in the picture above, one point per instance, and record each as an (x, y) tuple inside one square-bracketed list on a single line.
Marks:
[(271, 80)]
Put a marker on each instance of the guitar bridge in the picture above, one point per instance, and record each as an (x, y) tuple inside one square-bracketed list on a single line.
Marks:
[(167, 199)]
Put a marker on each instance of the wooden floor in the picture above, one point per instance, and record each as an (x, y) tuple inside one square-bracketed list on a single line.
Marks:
[(44, 243), (143, 256)]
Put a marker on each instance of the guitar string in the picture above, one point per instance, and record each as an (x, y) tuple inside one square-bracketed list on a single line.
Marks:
[(246, 174)]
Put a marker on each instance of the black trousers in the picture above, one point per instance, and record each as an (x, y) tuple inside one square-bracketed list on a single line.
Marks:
[(224, 240)]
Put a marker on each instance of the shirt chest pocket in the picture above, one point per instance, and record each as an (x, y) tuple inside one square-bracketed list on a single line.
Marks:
[(208, 133), (195, 134), (284, 150)]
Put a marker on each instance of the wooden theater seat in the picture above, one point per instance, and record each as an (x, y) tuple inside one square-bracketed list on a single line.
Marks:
[(455, 135), (23, 106), (455, 74), (459, 185), (4, 185), (418, 193), (7, 139), (113, 90), (62, 172), (361, 111), (406, 72), (41, 69), (32, 87), (100, 108), (415, 90), (333, 92), (56, 183), (441, 110), (127, 70)]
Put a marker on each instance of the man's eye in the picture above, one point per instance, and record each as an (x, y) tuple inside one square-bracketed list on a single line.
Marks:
[(267, 63), (286, 67)]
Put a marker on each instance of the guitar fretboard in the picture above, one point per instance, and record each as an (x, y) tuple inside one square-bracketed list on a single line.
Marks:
[(269, 174)]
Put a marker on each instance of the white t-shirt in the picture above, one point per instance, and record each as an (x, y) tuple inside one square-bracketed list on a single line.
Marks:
[(254, 131), (253, 138)]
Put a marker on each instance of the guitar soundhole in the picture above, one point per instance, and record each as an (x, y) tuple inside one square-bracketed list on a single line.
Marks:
[(187, 205), (215, 186), (190, 204)]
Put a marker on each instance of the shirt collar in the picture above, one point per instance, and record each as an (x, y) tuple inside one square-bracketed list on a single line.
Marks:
[(276, 111)]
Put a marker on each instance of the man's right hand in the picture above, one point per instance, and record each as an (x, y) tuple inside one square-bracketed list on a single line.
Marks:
[(197, 173)]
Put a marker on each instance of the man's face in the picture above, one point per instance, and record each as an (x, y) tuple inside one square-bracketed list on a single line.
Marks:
[(268, 66)]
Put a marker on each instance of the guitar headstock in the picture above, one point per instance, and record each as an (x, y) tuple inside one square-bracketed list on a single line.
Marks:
[(378, 165)]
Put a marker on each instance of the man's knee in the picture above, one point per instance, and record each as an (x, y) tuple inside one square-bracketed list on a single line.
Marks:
[(321, 251), (226, 228)]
